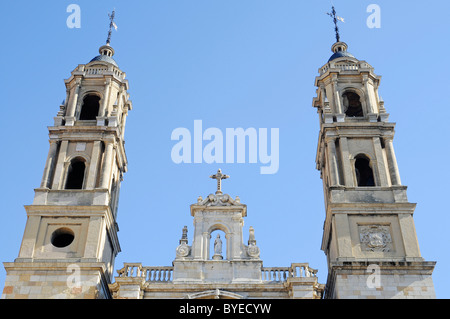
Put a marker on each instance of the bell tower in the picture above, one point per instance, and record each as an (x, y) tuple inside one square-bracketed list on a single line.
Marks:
[(70, 239), (369, 236)]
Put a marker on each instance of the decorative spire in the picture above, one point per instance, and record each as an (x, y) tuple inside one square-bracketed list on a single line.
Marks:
[(219, 176), (112, 24), (335, 20)]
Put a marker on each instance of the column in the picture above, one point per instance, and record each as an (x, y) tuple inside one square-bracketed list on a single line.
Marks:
[(346, 165), (380, 162), (49, 165), (232, 252), (206, 243), (93, 166), (371, 108), (332, 161), (337, 99), (104, 106), (392, 161), (59, 169), (107, 164), (122, 125), (70, 113)]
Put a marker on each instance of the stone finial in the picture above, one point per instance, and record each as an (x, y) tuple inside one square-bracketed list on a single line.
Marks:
[(251, 236), (184, 238)]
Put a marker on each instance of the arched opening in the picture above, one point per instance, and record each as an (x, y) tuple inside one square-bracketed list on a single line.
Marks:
[(363, 171), (352, 104), (218, 245), (75, 174), (90, 107)]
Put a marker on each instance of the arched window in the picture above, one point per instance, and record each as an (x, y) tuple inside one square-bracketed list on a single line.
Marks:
[(90, 107), (352, 104), (363, 171), (75, 174)]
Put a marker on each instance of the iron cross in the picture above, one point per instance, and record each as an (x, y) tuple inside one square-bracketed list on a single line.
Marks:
[(335, 20), (219, 176), (112, 24)]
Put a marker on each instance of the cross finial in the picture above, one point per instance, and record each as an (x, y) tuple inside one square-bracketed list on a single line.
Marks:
[(219, 176), (335, 20), (112, 24)]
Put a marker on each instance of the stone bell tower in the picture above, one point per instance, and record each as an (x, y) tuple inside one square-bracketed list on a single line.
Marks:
[(369, 236), (70, 239)]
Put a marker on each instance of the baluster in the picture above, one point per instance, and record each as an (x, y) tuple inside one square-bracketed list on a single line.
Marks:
[(153, 274)]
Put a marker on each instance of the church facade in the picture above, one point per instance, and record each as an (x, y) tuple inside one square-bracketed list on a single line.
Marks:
[(70, 240)]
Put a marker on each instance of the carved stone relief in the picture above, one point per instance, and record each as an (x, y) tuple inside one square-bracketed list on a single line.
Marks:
[(375, 238)]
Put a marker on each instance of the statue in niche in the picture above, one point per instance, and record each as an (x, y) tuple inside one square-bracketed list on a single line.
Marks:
[(218, 248), (218, 245)]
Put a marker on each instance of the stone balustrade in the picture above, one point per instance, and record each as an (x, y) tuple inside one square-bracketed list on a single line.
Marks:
[(151, 274), (104, 71), (165, 273), (274, 274), (158, 274), (281, 274), (343, 67)]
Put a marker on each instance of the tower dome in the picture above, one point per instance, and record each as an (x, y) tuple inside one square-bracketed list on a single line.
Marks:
[(106, 53), (340, 50)]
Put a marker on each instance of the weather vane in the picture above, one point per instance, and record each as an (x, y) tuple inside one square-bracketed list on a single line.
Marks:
[(112, 24), (335, 20)]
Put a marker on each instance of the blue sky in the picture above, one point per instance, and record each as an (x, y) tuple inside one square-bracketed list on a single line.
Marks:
[(230, 64)]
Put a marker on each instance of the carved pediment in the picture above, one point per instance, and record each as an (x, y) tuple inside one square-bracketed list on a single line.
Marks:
[(219, 200)]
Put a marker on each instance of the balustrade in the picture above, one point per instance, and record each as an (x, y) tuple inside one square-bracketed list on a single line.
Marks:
[(281, 274), (165, 273), (152, 274)]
